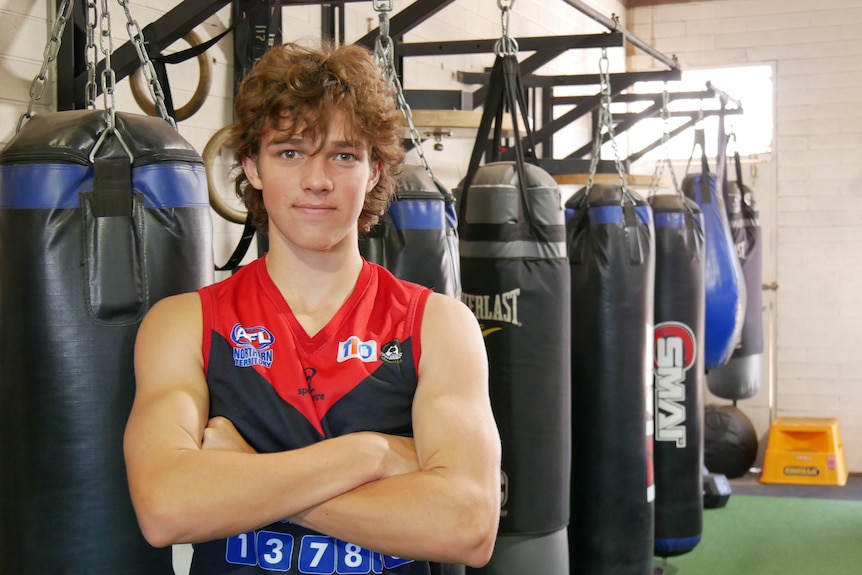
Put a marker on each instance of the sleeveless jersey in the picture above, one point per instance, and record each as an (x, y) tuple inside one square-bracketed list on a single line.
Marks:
[(284, 390)]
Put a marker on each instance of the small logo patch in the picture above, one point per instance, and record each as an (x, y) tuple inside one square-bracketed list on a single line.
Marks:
[(251, 346), (355, 348), (391, 352)]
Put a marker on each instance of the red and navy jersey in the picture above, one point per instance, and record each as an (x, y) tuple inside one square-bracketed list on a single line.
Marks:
[(284, 390)]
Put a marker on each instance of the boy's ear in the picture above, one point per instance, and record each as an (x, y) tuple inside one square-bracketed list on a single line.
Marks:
[(374, 177), (249, 166)]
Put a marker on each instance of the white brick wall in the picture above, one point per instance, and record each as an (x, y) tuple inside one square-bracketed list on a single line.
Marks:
[(817, 53)]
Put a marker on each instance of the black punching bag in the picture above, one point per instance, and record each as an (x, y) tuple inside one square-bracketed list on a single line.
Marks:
[(740, 377), (515, 280), (417, 237), (92, 232), (729, 441), (612, 262), (679, 324)]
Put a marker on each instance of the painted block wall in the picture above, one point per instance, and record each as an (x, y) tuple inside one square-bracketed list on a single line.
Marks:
[(816, 51)]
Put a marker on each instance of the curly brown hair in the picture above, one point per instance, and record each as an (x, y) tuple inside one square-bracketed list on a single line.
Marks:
[(298, 87)]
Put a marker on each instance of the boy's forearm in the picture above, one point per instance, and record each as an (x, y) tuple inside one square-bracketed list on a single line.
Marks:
[(423, 515), (201, 495)]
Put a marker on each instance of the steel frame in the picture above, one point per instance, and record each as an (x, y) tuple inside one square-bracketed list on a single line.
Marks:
[(188, 14)]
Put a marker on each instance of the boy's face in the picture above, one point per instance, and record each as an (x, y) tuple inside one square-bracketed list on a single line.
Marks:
[(313, 190)]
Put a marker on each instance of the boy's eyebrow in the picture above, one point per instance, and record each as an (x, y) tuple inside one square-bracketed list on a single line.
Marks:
[(346, 144), (292, 139), (300, 140)]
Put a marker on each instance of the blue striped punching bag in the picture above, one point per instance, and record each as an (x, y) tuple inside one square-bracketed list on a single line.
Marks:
[(610, 239), (679, 325), (95, 226), (417, 237)]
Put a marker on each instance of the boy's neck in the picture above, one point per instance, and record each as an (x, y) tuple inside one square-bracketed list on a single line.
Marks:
[(315, 286)]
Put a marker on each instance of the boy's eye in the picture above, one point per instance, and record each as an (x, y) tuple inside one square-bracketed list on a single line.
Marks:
[(345, 156), (290, 154)]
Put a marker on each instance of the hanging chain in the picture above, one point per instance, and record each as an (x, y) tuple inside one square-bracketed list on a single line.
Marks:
[(91, 52), (108, 83), (137, 38), (665, 138), (506, 45), (109, 79), (384, 52), (606, 122), (37, 88)]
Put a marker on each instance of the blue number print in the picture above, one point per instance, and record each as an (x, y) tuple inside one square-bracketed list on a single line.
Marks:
[(242, 549), (376, 563), (317, 555), (352, 559), (274, 550), (391, 562)]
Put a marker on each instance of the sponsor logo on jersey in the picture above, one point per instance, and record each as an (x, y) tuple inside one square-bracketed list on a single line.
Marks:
[(391, 351), (310, 372), (309, 389), (355, 348), (675, 352), (251, 346), (500, 307)]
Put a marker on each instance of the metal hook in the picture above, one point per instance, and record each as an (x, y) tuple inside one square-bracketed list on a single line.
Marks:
[(384, 25), (110, 128), (104, 136), (506, 45)]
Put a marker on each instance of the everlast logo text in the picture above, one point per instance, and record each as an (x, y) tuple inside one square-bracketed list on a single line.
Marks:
[(495, 307)]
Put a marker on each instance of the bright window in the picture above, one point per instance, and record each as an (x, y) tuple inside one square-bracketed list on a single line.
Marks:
[(750, 85)]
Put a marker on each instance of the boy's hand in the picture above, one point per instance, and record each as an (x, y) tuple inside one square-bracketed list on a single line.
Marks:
[(220, 433)]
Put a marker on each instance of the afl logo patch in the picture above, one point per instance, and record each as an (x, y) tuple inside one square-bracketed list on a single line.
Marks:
[(391, 351), (257, 337), (251, 346)]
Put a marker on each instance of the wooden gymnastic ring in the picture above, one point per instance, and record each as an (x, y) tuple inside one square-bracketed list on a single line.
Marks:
[(142, 94), (221, 207)]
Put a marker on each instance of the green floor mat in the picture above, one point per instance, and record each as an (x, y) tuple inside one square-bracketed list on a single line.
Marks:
[(777, 536)]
